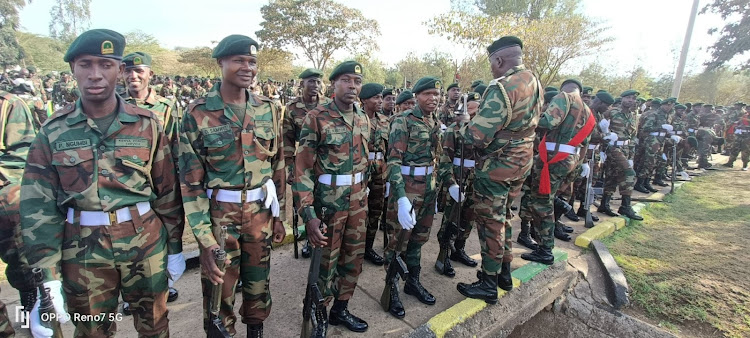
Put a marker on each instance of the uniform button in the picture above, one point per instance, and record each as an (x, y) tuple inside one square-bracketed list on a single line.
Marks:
[(105, 172), (219, 142), (140, 229), (135, 157), (72, 160), (105, 197), (102, 147), (247, 152)]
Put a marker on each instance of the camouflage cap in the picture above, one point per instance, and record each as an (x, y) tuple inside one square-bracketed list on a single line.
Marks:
[(369, 90), (630, 92), (404, 96), (573, 81), (425, 83), (235, 44), (550, 94), (504, 42), (473, 96), (311, 72), (387, 91), (451, 86), (137, 59), (605, 97), (97, 42), (346, 67)]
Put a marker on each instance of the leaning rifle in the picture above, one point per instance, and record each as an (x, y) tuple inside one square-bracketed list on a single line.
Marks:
[(46, 308), (313, 309), (216, 328), (674, 165), (589, 221), (295, 232), (396, 267)]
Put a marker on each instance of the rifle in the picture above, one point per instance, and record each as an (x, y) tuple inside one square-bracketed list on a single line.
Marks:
[(295, 232), (396, 266), (216, 328), (46, 309), (313, 302), (674, 165), (384, 226), (589, 199)]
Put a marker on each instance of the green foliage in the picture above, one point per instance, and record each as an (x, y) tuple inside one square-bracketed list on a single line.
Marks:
[(531, 9), (275, 63), (734, 37), (69, 18), (9, 12), (43, 52), (200, 60), (435, 63), (372, 69)]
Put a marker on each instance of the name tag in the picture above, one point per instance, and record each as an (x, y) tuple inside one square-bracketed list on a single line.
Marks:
[(131, 142), (72, 144), (263, 123), (217, 130)]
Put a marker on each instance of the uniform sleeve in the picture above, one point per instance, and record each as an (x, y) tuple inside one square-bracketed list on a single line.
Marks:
[(398, 141), (279, 169), (42, 221), (168, 204), (290, 139), (304, 176), (555, 113), (490, 118), (445, 163), (649, 124), (18, 136), (194, 198)]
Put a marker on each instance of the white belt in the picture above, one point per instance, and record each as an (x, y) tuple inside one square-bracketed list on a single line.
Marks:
[(691, 130), (417, 171), (375, 156), (741, 131), (658, 134), (622, 143), (467, 163), (340, 179), (235, 196), (593, 146), (97, 218), (679, 132), (563, 148)]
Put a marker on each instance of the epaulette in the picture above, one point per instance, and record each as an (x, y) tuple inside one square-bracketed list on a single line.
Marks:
[(496, 81), (133, 109), (196, 102), (65, 110)]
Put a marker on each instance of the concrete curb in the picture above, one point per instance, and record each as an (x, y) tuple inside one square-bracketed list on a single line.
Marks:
[(617, 285), (447, 320)]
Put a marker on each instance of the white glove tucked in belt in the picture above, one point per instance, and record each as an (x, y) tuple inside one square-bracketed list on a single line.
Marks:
[(603, 156), (630, 163), (387, 189), (272, 201), (604, 125), (406, 216), (676, 138), (611, 138), (667, 127), (453, 191), (586, 170), (176, 267)]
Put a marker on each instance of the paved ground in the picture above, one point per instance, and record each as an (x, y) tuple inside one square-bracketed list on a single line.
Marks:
[(288, 277)]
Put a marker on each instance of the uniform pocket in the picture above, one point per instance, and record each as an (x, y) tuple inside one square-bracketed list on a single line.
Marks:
[(219, 148), (75, 168), (132, 171)]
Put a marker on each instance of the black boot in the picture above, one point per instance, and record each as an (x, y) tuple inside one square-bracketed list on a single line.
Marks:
[(504, 280), (173, 294), (255, 330), (648, 186), (659, 180), (340, 315), (524, 237), (306, 250), (604, 207), (639, 186), (484, 289), (627, 211), (370, 254), (459, 255), (414, 287), (560, 233), (570, 214), (582, 213), (558, 211), (397, 308), (541, 254), (443, 264)]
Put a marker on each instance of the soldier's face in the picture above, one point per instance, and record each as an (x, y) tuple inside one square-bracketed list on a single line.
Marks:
[(389, 102), (408, 104), (374, 103), (312, 86), (707, 110), (96, 76), (586, 99), (454, 93), (680, 112), (347, 87), (428, 100), (137, 78), (628, 101), (238, 70)]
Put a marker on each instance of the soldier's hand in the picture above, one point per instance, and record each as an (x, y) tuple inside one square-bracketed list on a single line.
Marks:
[(278, 231), (314, 234), (208, 265)]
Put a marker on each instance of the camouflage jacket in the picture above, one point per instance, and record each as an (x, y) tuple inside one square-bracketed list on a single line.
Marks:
[(73, 164), (39, 88), (172, 93), (564, 118), (446, 113), (680, 124), (16, 134), (379, 131), (692, 120), (37, 108), (329, 143), (414, 141), (652, 122), (218, 151), (167, 111), (451, 147), (622, 123), (294, 116)]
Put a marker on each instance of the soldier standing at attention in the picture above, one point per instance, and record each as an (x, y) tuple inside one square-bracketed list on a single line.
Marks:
[(296, 110), (741, 131), (137, 76), (331, 171), (655, 128), (389, 102), (449, 108), (99, 198), (372, 102), (413, 147), (231, 168), (502, 135)]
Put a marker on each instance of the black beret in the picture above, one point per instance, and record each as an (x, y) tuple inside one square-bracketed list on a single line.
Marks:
[(587, 90), (346, 67), (574, 81), (605, 97), (481, 88), (97, 42), (476, 83), (387, 91), (425, 83), (504, 42), (369, 90), (473, 96), (452, 85), (235, 44), (549, 95), (311, 72), (405, 95), (630, 92), (137, 59)]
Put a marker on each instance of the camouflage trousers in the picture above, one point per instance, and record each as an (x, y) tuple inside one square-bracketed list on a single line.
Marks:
[(661, 166), (18, 273), (705, 138), (651, 156), (6, 329), (542, 205), (345, 217), (248, 247), (451, 214), (420, 190), (100, 262), (741, 145), (376, 198), (617, 172)]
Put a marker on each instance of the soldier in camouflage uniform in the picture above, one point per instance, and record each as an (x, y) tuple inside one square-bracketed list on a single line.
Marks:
[(34, 103), (502, 136), (331, 172), (371, 97), (17, 132), (619, 127), (99, 200), (231, 168), (405, 101), (706, 135), (170, 90), (66, 90), (296, 110), (446, 111), (741, 131), (654, 130), (389, 102), (37, 83), (679, 126)]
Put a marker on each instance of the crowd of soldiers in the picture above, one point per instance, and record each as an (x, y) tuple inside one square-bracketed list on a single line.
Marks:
[(96, 195)]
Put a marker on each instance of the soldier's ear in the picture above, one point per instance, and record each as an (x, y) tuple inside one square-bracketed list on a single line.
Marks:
[(72, 68), (122, 67)]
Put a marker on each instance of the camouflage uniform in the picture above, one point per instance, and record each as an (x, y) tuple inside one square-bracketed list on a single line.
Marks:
[(446, 112), (680, 129), (220, 153), (376, 178), (331, 168), (741, 132), (17, 132), (617, 170), (706, 137), (125, 171), (651, 142), (37, 108)]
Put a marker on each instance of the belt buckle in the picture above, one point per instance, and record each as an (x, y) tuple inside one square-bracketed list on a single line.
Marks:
[(243, 196), (112, 217)]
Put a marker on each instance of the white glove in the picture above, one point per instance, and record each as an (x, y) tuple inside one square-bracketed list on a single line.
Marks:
[(176, 267), (272, 201), (443, 127), (630, 163), (612, 138), (676, 138), (367, 191), (685, 176), (453, 191), (663, 156), (603, 156), (387, 189), (586, 170), (667, 127), (35, 320), (406, 216), (604, 125)]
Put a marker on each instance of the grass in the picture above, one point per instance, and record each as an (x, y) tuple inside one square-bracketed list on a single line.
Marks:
[(687, 263)]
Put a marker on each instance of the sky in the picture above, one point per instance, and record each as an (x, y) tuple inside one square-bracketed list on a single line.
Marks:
[(645, 32)]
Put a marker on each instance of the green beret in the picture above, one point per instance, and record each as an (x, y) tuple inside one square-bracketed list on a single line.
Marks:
[(574, 81), (697, 104), (504, 42), (473, 96), (425, 83), (630, 92), (405, 95), (97, 42), (587, 90), (669, 100), (235, 44), (601, 91), (481, 88), (640, 99), (688, 104), (741, 104), (680, 106), (311, 72), (387, 91), (618, 100), (693, 141), (605, 97), (476, 83), (137, 59), (31, 69), (346, 67), (655, 100), (452, 85), (549, 95), (369, 90), (550, 89)]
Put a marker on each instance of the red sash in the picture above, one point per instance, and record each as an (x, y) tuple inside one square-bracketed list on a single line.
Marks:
[(544, 183)]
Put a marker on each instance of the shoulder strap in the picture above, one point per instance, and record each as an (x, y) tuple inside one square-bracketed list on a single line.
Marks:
[(505, 97)]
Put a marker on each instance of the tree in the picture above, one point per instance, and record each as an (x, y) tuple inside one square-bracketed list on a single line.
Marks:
[(734, 37), (69, 18), (372, 69), (275, 63), (200, 58), (318, 27), (530, 9), (165, 61), (11, 53), (43, 52)]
